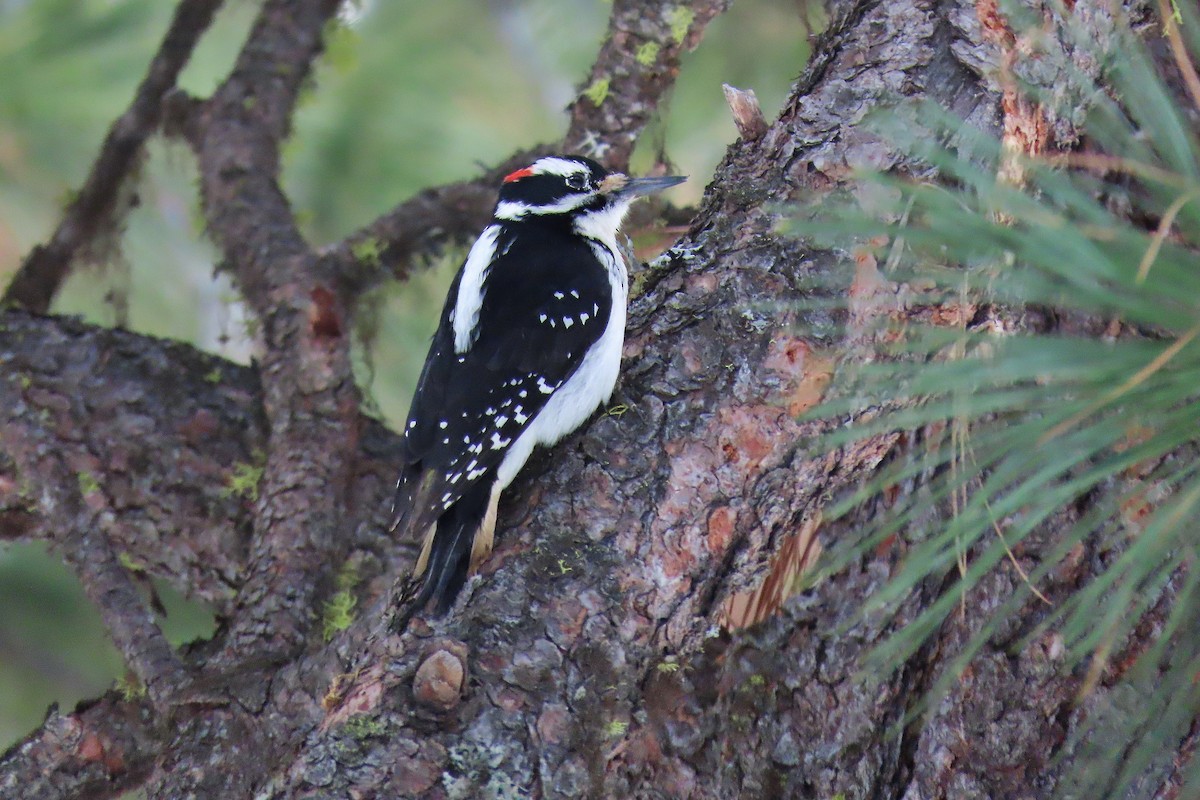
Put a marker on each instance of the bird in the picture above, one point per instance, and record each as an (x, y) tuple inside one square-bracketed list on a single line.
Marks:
[(528, 346)]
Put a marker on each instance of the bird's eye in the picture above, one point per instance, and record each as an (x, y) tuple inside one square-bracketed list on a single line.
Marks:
[(577, 181)]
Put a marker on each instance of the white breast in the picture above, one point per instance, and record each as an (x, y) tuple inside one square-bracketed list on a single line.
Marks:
[(590, 385)]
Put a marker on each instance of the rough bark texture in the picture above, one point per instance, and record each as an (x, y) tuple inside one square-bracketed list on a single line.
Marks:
[(586, 661)]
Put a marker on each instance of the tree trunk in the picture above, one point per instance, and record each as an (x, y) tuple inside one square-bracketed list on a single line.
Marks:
[(588, 659)]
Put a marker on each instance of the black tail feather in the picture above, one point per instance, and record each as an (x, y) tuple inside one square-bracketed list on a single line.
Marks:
[(450, 554)]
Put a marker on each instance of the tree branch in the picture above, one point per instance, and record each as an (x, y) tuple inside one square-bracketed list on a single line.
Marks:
[(92, 211), (101, 750), (637, 65), (158, 432), (555, 676), (114, 441), (307, 386)]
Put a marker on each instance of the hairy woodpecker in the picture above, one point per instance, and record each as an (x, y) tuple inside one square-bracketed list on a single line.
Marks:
[(527, 346)]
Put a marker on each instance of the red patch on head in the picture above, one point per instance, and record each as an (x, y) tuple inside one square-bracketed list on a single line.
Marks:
[(516, 176)]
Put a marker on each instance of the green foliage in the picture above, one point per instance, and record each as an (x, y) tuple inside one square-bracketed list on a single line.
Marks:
[(1020, 429)]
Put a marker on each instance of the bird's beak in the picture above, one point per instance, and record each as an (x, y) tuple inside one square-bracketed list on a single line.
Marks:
[(622, 186)]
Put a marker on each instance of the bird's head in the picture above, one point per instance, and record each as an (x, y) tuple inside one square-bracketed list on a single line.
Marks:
[(574, 187)]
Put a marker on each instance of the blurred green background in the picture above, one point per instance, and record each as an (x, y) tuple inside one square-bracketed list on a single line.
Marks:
[(409, 94)]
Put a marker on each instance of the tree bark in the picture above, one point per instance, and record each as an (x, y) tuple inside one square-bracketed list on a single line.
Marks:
[(588, 659)]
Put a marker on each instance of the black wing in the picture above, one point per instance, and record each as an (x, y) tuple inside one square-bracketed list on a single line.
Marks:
[(470, 407)]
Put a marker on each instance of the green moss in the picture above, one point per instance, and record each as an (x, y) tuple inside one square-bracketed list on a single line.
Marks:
[(598, 91), (615, 728), (338, 612), (362, 727), (87, 483), (130, 687), (368, 252), (347, 576), (130, 563), (244, 480), (680, 19), (647, 53), (667, 667), (213, 375)]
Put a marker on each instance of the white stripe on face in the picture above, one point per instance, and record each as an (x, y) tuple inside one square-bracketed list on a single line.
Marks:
[(513, 210), (552, 165)]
